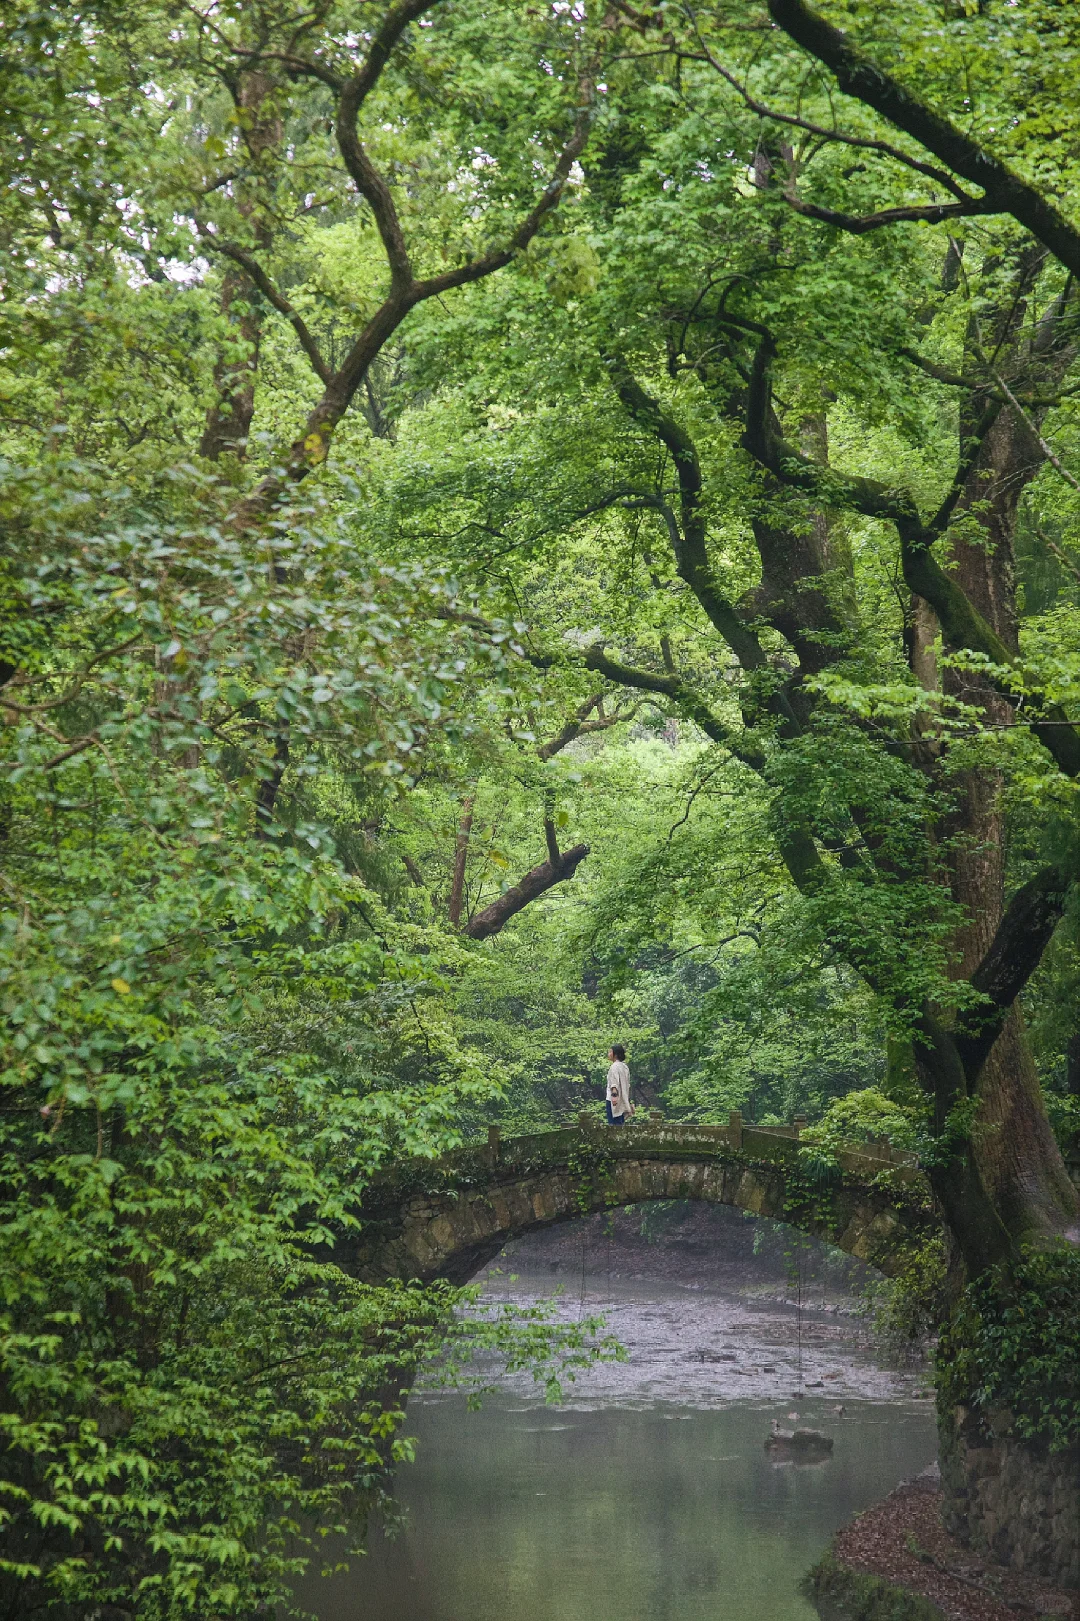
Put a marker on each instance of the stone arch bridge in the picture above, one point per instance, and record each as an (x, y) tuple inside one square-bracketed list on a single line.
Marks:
[(447, 1218)]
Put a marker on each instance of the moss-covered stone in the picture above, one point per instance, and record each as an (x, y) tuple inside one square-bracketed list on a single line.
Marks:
[(447, 1218)]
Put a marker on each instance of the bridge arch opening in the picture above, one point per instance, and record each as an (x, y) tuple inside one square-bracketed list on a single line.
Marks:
[(678, 1245)]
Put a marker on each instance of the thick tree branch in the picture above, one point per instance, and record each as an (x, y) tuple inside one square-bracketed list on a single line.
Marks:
[(535, 883), (691, 550), (1013, 956), (488, 263), (860, 224), (865, 80), (368, 181), (386, 36), (311, 449), (796, 843), (940, 374), (963, 627), (582, 726), (682, 696), (567, 734), (865, 143), (976, 385), (969, 1210), (970, 451)]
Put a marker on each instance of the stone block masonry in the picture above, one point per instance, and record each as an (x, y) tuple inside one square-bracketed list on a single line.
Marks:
[(447, 1219), (1011, 1499)]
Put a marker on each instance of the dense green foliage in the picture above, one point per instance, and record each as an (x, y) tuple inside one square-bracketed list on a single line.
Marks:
[(464, 470), (1014, 1347), (212, 1046)]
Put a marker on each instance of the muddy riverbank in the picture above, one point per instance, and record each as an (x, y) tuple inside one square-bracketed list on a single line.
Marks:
[(896, 1562)]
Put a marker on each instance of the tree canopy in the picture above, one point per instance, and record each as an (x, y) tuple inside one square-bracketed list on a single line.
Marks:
[(523, 527)]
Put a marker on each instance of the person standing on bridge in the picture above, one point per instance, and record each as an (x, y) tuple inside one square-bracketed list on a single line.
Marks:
[(619, 1107)]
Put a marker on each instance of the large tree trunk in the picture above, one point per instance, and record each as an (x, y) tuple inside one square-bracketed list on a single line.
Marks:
[(461, 856), (1014, 1149), (1007, 1183)]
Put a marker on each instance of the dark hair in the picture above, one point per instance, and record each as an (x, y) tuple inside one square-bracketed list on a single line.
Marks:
[(620, 1052)]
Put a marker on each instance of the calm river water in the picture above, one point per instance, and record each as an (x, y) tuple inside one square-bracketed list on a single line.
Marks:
[(647, 1496)]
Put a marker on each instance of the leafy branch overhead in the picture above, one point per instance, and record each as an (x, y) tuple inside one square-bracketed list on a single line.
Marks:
[(350, 92)]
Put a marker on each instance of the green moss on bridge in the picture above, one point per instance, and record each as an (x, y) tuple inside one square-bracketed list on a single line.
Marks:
[(446, 1217)]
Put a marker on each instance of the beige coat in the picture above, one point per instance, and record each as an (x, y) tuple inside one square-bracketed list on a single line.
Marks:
[(618, 1088)]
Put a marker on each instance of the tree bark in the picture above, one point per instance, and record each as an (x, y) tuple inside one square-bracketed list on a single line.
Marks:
[(867, 81), (1000, 1177), (461, 856), (1013, 1147), (228, 421), (534, 884)]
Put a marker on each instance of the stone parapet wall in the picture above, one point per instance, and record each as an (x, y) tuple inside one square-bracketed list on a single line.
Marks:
[(1014, 1500)]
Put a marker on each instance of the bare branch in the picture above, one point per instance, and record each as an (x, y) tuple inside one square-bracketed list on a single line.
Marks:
[(1060, 553), (1054, 461), (15, 681), (90, 741), (253, 269), (859, 225)]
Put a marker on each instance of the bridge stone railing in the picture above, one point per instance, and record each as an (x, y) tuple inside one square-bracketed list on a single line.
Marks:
[(652, 1133)]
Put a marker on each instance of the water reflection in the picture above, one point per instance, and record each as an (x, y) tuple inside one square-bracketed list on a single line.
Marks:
[(650, 1496)]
